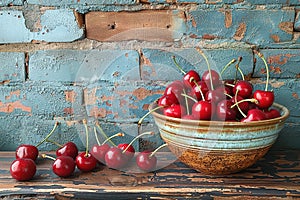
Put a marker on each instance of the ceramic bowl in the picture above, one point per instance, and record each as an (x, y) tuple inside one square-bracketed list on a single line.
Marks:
[(216, 147)]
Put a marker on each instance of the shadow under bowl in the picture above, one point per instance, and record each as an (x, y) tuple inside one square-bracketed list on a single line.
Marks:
[(219, 147)]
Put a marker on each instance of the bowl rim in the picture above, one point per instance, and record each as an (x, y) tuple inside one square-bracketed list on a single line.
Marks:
[(284, 115)]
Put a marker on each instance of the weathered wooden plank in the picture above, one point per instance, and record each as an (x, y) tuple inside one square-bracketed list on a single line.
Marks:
[(276, 176), (142, 25)]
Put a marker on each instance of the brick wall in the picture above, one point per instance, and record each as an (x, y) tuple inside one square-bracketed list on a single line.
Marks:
[(114, 57)]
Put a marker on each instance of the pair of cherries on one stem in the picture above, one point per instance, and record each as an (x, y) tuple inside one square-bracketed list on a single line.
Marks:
[(24, 167), (118, 156)]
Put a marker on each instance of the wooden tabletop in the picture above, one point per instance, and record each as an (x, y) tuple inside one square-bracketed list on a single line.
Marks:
[(276, 176)]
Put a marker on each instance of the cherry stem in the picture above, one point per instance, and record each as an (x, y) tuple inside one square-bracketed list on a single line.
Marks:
[(177, 65), (103, 133), (239, 69), (87, 137), (115, 135), (245, 100), (47, 156), (208, 66), (227, 65), (96, 135), (195, 100), (235, 98), (53, 142), (148, 113), (186, 103), (41, 142), (267, 68), (157, 149), (227, 95), (228, 84), (134, 139), (201, 93)]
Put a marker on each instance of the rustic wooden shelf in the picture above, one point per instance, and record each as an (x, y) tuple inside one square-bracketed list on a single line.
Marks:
[(276, 176)]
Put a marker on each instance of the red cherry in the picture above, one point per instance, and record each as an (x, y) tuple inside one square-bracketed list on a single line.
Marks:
[(129, 153), (175, 110), (64, 166), (190, 78), (272, 113), (146, 162), (68, 149), (265, 98), (214, 76), (254, 115), (244, 88), (27, 151), (99, 151), (244, 106), (202, 110), (115, 159), (23, 169), (85, 162), (215, 96), (201, 85), (176, 87), (224, 110), (167, 100)]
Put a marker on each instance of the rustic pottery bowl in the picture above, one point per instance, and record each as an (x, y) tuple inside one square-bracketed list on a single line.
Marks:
[(216, 147)]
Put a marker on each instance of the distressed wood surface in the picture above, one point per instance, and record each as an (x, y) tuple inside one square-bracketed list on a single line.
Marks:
[(118, 26), (276, 176)]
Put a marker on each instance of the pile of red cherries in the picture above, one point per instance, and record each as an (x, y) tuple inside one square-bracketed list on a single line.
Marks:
[(207, 97), (67, 157)]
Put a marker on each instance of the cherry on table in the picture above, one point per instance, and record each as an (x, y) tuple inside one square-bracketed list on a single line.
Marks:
[(128, 149), (86, 162), (99, 150), (68, 149), (146, 160), (115, 159), (27, 151), (23, 169), (31, 151), (64, 166)]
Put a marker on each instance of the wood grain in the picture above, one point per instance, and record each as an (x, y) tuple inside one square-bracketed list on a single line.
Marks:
[(120, 26), (276, 176)]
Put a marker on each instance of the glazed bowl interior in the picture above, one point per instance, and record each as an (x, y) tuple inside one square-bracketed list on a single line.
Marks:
[(219, 147)]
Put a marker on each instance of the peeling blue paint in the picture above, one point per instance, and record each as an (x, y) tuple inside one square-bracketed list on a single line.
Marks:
[(57, 26), (12, 67)]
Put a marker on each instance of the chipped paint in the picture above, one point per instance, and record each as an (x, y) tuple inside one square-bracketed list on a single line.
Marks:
[(240, 32), (70, 96), (11, 106), (228, 18), (13, 93), (287, 27)]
